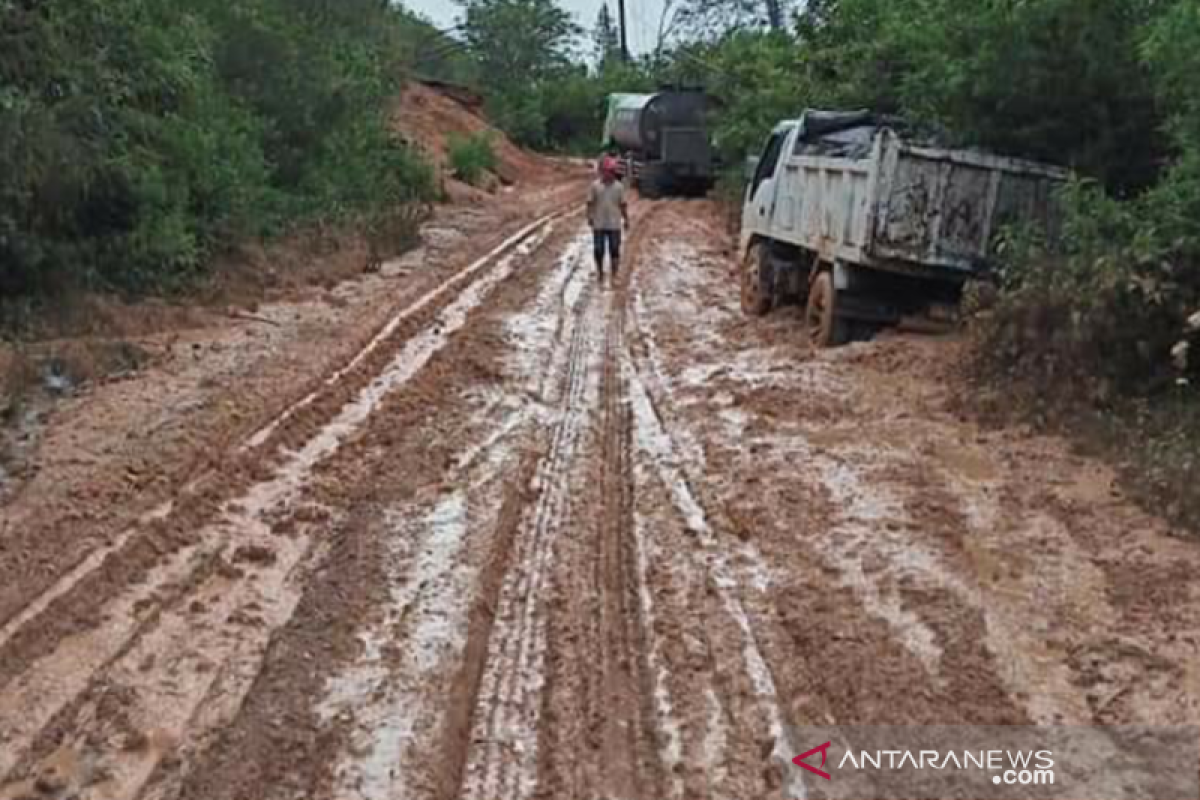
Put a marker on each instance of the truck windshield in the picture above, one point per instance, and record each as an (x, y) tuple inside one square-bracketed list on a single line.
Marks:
[(770, 159)]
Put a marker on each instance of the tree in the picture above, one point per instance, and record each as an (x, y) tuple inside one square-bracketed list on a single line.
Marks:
[(518, 43), (519, 47), (138, 137), (712, 19), (815, 14), (757, 78), (775, 14), (605, 37)]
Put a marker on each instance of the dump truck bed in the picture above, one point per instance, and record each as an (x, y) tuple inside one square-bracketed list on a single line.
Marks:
[(909, 208)]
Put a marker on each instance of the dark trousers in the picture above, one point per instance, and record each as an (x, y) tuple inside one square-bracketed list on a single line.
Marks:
[(610, 240)]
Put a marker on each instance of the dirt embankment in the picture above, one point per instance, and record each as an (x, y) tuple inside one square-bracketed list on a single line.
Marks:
[(428, 117)]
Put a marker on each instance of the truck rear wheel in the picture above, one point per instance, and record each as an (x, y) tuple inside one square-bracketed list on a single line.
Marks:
[(821, 320), (758, 281), (650, 183)]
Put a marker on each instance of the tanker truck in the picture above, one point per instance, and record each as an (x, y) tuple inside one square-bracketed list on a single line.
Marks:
[(664, 140)]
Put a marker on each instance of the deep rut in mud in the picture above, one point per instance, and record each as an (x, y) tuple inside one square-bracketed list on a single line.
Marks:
[(544, 537), (181, 647)]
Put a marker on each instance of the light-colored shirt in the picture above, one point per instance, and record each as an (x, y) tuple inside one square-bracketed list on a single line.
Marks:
[(605, 201)]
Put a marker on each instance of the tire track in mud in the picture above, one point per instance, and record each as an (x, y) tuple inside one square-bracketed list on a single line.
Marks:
[(600, 736), (663, 730), (660, 456), (622, 744), (762, 398), (399, 709), (575, 697), (166, 661), (502, 762), (729, 403), (655, 441), (96, 559), (455, 284), (564, 704)]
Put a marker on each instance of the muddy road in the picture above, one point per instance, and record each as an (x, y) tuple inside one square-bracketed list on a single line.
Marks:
[(482, 527)]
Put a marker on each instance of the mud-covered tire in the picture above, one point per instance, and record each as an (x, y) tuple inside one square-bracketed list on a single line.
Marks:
[(648, 187), (822, 324), (652, 182), (758, 282)]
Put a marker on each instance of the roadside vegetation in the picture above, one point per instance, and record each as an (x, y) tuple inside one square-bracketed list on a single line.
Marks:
[(544, 74), (139, 138), (472, 157)]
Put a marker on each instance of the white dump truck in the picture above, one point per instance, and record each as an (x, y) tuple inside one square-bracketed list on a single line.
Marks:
[(868, 225)]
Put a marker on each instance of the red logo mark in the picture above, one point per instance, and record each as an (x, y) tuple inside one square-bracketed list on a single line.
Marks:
[(799, 761)]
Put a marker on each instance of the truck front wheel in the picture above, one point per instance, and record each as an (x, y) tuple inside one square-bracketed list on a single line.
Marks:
[(824, 327), (758, 281)]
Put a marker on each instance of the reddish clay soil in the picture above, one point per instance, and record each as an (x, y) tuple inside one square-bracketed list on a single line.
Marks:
[(482, 526), (429, 117)]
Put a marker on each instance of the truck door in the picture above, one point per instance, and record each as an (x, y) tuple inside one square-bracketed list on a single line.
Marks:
[(760, 197)]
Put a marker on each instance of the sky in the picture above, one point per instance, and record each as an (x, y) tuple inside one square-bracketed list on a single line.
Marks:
[(642, 16)]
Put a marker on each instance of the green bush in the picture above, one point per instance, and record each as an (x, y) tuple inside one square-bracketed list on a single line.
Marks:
[(472, 157), (1110, 314), (520, 115), (138, 137)]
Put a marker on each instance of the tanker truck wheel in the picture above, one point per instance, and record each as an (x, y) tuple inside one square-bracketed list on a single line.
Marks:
[(824, 327), (758, 281), (650, 182)]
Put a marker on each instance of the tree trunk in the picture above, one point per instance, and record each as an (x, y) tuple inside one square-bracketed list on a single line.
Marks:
[(774, 15), (624, 39)]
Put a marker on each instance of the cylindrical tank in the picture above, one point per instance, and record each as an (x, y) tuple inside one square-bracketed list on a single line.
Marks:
[(626, 118), (636, 121)]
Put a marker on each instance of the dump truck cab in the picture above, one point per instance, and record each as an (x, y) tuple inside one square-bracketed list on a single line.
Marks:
[(758, 202)]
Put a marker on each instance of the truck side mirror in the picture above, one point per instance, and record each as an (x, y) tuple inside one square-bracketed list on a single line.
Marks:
[(751, 168)]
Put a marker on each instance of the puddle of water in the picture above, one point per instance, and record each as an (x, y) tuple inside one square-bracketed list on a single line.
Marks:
[(656, 444), (671, 734), (517, 413), (532, 329), (716, 739), (390, 703)]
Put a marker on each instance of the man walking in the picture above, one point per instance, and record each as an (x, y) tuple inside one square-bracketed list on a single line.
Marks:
[(607, 214)]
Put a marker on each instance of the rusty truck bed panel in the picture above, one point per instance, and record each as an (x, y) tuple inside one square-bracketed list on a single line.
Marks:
[(942, 208), (911, 207)]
